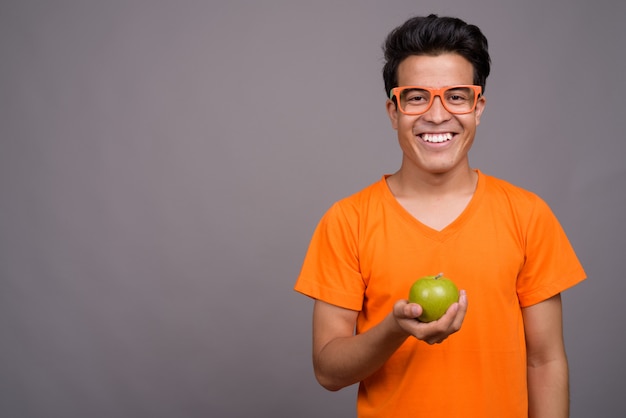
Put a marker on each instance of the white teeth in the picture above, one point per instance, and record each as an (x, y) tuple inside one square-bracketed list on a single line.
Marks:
[(436, 138)]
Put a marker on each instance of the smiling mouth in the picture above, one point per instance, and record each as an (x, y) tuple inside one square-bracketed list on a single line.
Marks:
[(436, 138)]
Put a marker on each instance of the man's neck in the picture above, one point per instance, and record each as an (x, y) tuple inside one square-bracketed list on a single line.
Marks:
[(434, 200), (414, 184)]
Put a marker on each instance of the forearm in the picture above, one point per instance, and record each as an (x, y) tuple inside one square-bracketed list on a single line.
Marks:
[(348, 360), (548, 390)]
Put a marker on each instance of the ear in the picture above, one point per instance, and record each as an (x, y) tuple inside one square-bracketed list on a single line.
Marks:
[(392, 112), (480, 108)]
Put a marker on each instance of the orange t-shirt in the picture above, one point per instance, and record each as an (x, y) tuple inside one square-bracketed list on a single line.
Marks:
[(507, 250)]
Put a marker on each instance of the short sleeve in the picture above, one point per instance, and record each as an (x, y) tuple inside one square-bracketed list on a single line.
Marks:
[(551, 265), (330, 271)]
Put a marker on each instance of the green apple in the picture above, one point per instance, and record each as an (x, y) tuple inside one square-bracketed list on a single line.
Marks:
[(434, 294)]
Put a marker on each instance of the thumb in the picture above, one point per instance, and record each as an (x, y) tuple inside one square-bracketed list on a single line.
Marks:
[(403, 309)]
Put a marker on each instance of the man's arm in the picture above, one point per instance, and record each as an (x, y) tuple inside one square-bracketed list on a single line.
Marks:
[(341, 358), (548, 379)]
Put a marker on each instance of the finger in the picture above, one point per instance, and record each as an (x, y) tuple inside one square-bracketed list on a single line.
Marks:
[(453, 318), (447, 319), (461, 311)]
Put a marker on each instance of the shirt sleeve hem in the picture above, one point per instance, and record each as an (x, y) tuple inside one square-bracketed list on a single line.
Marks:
[(545, 293), (332, 296)]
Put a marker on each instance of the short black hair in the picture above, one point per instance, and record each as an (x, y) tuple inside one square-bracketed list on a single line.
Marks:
[(434, 35)]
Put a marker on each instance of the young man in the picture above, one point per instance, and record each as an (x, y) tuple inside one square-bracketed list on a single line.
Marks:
[(502, 355)]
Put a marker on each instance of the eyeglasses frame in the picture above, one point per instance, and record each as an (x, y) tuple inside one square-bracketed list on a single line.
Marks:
[(434, 92)]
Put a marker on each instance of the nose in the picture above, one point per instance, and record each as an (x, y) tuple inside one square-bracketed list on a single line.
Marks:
[(437, 113)]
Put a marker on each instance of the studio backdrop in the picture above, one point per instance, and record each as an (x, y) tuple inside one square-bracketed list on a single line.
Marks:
[(163, 165)]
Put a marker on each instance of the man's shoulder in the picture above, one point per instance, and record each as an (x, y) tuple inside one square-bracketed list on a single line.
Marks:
[(520, 202), (360, 202), (499, 186), (374, 190)]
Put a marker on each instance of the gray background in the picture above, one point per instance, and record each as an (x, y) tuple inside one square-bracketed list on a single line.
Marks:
[(163, 165)]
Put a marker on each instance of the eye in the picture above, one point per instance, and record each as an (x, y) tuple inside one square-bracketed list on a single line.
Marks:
[(459, 95), (415, 96)]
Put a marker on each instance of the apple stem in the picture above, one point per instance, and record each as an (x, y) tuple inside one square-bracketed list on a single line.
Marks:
[(439, 275)]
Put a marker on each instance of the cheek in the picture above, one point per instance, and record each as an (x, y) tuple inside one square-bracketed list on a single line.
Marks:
[(405, 125), (470, 122)]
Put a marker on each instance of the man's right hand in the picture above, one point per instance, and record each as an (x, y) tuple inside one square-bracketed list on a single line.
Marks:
[(434, 332)]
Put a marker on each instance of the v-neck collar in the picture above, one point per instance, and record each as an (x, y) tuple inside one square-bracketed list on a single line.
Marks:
[(451, 228)]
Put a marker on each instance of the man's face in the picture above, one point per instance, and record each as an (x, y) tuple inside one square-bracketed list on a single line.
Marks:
[(437, 141)]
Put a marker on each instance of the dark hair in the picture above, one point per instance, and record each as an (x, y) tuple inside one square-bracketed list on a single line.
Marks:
[(434, 35)]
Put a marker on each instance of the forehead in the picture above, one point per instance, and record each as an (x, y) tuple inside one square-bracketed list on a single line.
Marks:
[(435, 70)]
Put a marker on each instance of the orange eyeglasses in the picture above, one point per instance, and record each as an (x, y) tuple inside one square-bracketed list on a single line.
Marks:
[(415, 100)]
